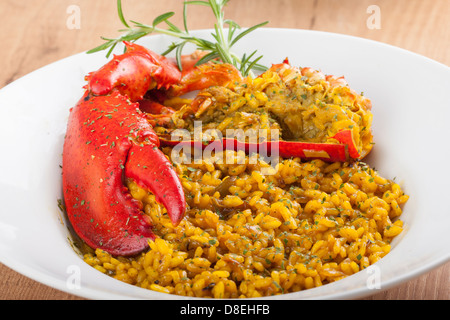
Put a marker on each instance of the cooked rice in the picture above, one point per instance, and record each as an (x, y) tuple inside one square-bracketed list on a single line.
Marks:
[(248, 235)]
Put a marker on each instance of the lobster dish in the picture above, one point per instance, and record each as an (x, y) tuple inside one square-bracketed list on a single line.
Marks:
[(229, 224)]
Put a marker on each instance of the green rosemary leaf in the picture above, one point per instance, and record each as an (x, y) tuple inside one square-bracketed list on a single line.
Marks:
[(231, 23), (232, 27), (178, 54), (111, 50), (162, 18), (185, 17), (203, 44), (259, 67), (247, 31), (208, 57), (223, 55), (250, 66), (107, 39), (139, 25), (133, 36), (202, 3), (172, 47), (120, 12), (173, 27), (101, 47)]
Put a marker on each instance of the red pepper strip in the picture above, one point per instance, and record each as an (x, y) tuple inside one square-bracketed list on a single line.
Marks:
[(346, 137), (329, 152)]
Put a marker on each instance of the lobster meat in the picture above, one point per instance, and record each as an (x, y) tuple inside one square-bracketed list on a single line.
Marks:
[(109, 140)]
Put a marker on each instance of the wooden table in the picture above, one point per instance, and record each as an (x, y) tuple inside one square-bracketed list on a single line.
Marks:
[(38, 32)]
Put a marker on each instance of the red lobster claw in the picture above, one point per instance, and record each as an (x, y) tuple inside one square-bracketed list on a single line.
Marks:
[(134, 73), (109, 140)]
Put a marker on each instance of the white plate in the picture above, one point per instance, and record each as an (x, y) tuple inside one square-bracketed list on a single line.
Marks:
[(411, 110)]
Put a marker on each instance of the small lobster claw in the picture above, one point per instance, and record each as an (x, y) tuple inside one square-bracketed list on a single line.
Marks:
[(109, 140), (134, 73)]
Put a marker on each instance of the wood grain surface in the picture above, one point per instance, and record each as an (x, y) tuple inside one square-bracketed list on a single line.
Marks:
[(38, 32)]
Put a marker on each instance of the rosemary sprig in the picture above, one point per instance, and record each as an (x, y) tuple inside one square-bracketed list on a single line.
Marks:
[(219, 51)]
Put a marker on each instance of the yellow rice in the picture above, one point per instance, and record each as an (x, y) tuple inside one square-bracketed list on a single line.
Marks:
[(246, 234)]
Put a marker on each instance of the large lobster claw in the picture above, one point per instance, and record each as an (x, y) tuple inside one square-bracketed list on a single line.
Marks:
[(109, 140)]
